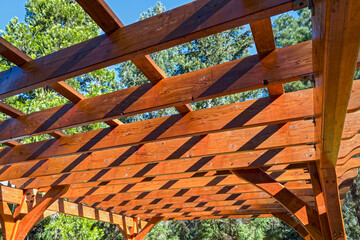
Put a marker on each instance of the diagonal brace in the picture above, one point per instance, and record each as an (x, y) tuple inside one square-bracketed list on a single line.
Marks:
[(307, 216)]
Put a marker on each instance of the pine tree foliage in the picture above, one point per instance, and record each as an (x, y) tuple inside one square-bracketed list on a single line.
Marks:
[(51, 25)]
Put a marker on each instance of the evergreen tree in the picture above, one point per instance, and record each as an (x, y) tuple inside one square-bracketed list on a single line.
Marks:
[(51, 25)]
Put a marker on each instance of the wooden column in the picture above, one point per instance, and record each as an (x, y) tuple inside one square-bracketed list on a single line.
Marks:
[(307, 216), (319, 200), (147, 228), (336, 40), (138, 232), (16, 226)]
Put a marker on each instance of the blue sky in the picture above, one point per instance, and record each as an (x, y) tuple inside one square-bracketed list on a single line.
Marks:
[(128, 12)]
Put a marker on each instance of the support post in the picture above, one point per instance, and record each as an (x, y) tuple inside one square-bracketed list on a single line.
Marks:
[(147, 228), (16, 226), (307, 216), (135, 232), (319, 200), (336, 41)]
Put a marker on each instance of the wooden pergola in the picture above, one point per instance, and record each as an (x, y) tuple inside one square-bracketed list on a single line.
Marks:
[(289, 155)]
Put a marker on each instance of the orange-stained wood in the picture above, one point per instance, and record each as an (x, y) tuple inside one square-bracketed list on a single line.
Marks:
[(233, 116), (109, 22), (17, 225), (286, 218), (13, 54), (112, 179), (173, 27), (231, 77), (27, 222), (146, 131), (319, 199), (265, 43), (336, 38), (147, 228), (307, 216), (150, 168)]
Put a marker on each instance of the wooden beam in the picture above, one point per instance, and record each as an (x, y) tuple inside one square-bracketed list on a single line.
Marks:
[(308, 217), (217, 217), (336, 37), (168, 29), (13, 54), (138, 210), (147, 228), (121, 201), (319, 199), (44, 182), (17, 225), (286, 218), (10, 195), (177, 186), (191, 202), (194, 123), (215, 213), (102, 139), (197, 147), (265, 43), (102, 14), (261, 158), (80, 210), (295, 133), (232, 77)]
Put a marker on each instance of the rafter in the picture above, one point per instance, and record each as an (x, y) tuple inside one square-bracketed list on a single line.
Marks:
[(265, 43), (220, 80), (109, 22), (106, 50)]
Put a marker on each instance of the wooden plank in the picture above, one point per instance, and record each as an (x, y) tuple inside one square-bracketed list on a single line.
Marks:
[(109, 138), (10, 111), (67, 91), (265, 43), (102, 14), (336, 37), (14, 113), (10, 195), (232, 77), (13, 54), (79, 210), (119, 200), (194, 123), (28, 221), (198, 186), (218, 217), (262, 137), (43, 182), (162, 31), (144, 168), (216, 213), (307, 216), (197, 210), (147, 228), (186, 202), (109, 22)]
